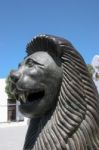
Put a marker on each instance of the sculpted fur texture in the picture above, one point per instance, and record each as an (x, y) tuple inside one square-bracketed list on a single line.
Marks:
[(56, 91)]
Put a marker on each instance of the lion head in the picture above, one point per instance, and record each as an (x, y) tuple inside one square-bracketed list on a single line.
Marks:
[(56, 91), (37, 83)]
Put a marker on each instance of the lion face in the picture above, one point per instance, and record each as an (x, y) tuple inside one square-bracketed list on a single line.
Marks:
[(36, 84)]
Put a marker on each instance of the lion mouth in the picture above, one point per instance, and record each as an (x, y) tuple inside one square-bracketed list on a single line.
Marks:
[(31, 97)]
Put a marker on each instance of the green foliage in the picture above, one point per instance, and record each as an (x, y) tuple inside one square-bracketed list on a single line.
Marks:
[(8, 88), (90, 69)]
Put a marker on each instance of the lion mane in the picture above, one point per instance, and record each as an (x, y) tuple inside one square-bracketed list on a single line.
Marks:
[(74, 124)]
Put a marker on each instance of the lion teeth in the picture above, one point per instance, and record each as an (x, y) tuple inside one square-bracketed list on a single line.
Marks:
[(23, 98)]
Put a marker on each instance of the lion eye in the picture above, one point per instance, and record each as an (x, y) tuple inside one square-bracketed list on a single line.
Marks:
[(30, 63)]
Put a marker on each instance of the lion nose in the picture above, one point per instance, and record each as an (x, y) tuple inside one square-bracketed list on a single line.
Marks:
[(14, 75)]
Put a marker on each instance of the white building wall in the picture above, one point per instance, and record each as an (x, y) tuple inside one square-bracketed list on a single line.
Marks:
[(4, 107), (95, 64), (97, 85), (3, 101)]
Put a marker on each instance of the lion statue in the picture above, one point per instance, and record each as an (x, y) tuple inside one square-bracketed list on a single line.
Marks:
[(57, 93)]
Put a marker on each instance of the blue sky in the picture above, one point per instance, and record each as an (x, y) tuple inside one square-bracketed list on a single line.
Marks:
[(21, 20)]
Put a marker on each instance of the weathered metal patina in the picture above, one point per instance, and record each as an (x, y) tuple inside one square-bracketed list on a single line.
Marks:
[(56, 91)]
